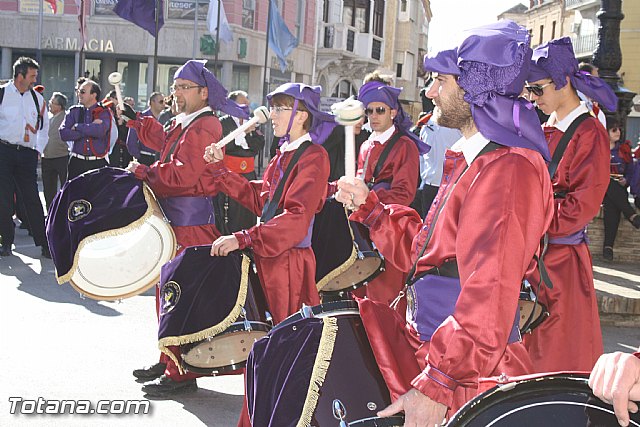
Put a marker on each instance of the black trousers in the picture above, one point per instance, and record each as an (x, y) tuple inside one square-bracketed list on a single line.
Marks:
[(54, 172), (616, 201), (18, 174), (120, 157), (78, 166)]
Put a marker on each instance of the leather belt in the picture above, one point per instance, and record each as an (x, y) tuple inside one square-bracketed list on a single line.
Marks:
[(80, 156), (15, 146)]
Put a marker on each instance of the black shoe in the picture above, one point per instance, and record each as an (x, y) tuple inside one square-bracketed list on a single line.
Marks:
[(636, 221), (5, 251), (149, 373), (165, 386), (607, 253), (45, 252)]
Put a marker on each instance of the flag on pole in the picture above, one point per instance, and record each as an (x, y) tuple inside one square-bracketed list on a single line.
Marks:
[(226, 34), (54, 6), (83, 23), (142, 13), (281, 41)]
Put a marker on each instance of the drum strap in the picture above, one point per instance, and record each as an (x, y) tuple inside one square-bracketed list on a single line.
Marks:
[(564, 142), (411, 277), (184, 129), (388, 146), (270, 208)]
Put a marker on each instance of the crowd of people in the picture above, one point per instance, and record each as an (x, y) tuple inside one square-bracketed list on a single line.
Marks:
[(477, 199)]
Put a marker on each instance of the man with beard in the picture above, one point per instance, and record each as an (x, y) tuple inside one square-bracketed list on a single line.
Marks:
[(476, 244), (177, 181)]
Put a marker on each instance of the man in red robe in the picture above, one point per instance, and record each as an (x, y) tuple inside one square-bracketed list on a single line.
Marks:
[(177, 181), (395, 179), (570, 339), (476, 244)]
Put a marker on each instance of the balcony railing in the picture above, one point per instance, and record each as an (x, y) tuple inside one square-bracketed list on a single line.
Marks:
[(584, 45), (571, 4), (342, 37)]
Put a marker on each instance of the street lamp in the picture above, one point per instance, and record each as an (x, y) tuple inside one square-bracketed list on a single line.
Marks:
[(608, 56)]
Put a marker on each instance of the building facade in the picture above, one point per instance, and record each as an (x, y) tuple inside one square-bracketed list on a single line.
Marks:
[(113, 44)]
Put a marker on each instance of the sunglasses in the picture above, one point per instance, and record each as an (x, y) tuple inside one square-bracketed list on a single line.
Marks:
[(616, 129), (537, 90), (378, 110), (82, 91)]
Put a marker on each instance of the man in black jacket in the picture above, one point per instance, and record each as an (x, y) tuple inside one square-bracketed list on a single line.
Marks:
[(240, 158)]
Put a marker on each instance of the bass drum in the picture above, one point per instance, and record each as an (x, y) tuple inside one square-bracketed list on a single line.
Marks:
[(280, 375), (108, 235), (555, 400)]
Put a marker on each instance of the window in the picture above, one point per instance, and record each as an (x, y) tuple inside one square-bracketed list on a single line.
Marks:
[(248, 10), (378, 18), (355, 13), (403, 5), (300, 20), (344, 89), (553, 30), (541, 34), (240, 78), (325, 11), (399, 70)]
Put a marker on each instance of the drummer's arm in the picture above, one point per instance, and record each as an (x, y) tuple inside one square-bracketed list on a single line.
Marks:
[(303, 197), (494, 248), (392, 228), (149, 131), (248, 193)]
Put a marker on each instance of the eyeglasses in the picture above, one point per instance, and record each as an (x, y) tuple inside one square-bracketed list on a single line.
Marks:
[(279, 109), (378, 110), (82, 91), (175, 88), (537, 90)]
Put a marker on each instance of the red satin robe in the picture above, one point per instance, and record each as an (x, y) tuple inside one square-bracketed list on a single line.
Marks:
[(287, 273), (401, 168), (491, 224), (571, 339), (182, 175)]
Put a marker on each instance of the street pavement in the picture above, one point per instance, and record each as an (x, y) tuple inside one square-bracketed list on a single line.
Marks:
[(59, 346)]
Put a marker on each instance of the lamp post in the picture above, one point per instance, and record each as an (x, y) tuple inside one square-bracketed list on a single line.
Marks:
[(608, 56)]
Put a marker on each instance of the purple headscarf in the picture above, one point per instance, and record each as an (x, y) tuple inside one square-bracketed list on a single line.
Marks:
[(492, 64), (379, 92), (195, 71), (555, 60), (322, 123)]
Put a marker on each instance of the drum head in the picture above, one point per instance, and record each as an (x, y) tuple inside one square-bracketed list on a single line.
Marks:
[(362, 270), (124, 265), (225, 352), (559, 400)]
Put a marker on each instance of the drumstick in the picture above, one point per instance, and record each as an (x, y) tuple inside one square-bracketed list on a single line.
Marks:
[(260, 115), (114, 79), (348, 113)]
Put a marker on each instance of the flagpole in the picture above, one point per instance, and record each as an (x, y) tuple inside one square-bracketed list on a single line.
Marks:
[(266, 56), (215, 60), (155, 50), (195, 33), (39, 42)]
